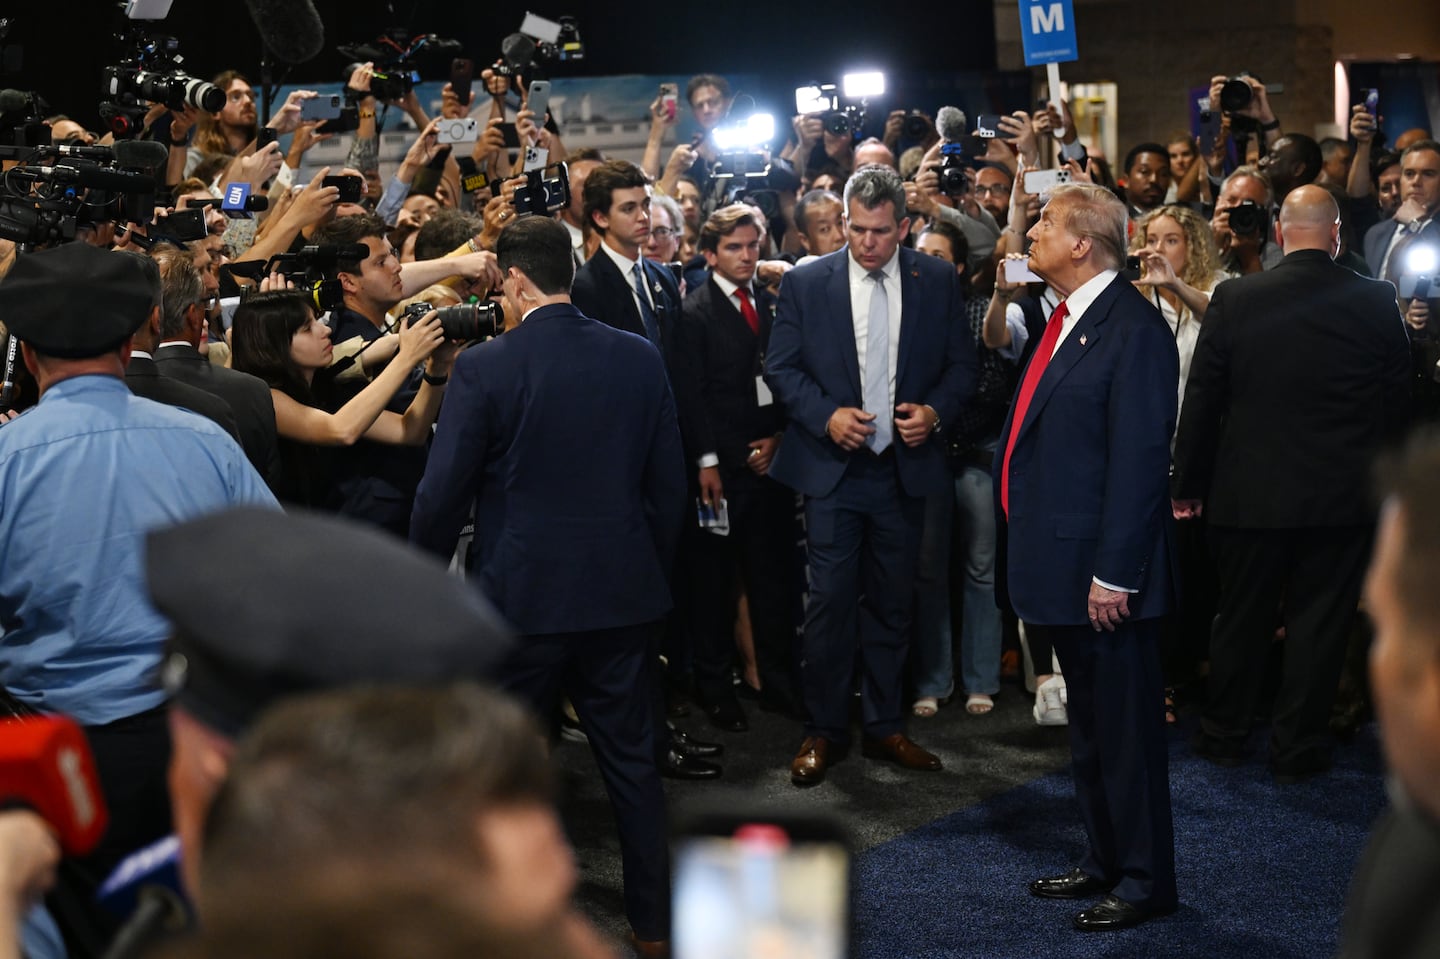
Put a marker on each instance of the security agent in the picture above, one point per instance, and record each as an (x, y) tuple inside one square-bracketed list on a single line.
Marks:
[(83, 476)]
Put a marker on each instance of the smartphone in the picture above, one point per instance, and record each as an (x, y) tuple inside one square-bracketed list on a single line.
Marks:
[(669, 99), (1209, 131), (351, 187), (987, 125), (1040, 182), (1017, 270), (457, 131), (321, 107), (265, 137), (1372, 102), (184, 225), (1132, 269), (761, 883), (462, 75), (511, 135), (538, 100)]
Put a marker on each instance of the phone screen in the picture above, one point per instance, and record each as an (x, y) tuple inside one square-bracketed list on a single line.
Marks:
[(762, 889)]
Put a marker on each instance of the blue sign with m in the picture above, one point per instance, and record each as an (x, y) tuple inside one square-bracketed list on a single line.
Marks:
[(1047, 30)]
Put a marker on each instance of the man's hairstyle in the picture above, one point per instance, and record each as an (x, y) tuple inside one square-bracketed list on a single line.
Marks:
[(582, 154), (1140, 148), (1381, 162), (208, 137), (1329, 145), (182, 286), (724, 222), (539, 247), (603, 181), (1202, 260), (959, 246), (346, 230), (1411, 479), (1093, 211), (1307, 151), (445, 231), (151, 269), (706, 80), (1255, 173), (371, 778), (874, 185), (670, 206), (808, 203), (1419, 145)]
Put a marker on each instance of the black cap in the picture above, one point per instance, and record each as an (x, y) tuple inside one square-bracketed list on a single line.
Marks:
[(267, 604), (75, 300)]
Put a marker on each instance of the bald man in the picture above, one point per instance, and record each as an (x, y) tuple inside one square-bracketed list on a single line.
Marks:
[(1299, 379)]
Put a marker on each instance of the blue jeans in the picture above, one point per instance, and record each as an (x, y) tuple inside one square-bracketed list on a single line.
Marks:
[(934, 663)]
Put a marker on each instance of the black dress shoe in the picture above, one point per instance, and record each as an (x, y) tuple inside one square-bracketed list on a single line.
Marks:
[(1111, 913), (726, 714), (685, 745), (1221, 752), (679, 766), (1298, 771), (1075, 884)]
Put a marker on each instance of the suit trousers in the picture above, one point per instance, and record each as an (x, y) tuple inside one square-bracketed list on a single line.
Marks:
[(608, 675), (1119, 757), (864, 546), (761, 548), (1317, 574)]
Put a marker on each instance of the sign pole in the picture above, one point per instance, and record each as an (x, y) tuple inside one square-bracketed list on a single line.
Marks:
[(1052, 76)]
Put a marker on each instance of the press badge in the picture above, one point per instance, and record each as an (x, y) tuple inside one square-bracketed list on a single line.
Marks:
[(763, 396)]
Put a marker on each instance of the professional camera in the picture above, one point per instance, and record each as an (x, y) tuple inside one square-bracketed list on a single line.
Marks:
[(916, 126), (22, 118), (151, 73), (954, 161), (59, 187), (842, 108), (541, 196), (1248, 219), (306, 269), (464, 321), (397, 57), (1235, 94), (537, 45)]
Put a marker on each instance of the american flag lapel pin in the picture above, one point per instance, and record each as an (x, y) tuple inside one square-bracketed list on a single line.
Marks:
[(1082, 339)]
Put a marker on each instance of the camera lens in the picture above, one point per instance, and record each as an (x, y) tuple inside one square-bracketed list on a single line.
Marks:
[(1235, 95), (471, 321), (203, 95), (837, 124), (1247, 219), (916, 127)]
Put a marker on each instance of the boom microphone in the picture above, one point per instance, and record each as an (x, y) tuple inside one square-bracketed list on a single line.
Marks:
[(45, 764), (290, 29), (950, 122), (145, 154), (99, 178)]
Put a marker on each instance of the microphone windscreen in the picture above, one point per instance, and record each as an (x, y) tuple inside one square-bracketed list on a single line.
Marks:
[(120, 181), (290, 29), (144, 154), (45, 763), (14, 101), (950, 123)]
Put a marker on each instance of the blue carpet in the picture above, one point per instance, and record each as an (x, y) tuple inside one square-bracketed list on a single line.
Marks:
[(1262, 869)]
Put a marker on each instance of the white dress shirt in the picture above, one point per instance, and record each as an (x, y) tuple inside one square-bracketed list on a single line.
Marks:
[(861, 289)]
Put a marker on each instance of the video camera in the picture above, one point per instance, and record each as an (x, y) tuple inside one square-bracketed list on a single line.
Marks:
[(463, 321), (742, 171), (306, 269), (843, 107), (58, 188), (22, 118), (540, 196), (397, 58), (150, 72), (537, 45)]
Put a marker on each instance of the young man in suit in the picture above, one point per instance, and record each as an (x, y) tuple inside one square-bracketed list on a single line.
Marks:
[(731, 426), (617, 286), (1298, 381), (870, 355), (562, 433), (1084, 529)]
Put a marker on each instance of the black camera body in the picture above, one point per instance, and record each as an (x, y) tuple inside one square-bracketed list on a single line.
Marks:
[(954, 161), (916, 126), (1235, 94), (1249, 219), (151, 72), (541, 196), (463, 321)]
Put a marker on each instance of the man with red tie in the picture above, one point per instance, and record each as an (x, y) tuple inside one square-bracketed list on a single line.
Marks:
[(1085, 515)]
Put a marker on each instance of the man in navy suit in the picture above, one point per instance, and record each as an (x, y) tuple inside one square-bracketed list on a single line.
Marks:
[(1388, 242), (562, 433), (1086, 530), (617, 285), (870, 355)]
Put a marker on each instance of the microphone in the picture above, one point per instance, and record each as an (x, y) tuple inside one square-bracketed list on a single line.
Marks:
[(330, 254), (16, 101), (45, 764), (950, 122), (146, 886), (103, 154), (146, 154), (290, 29), (99, 178)]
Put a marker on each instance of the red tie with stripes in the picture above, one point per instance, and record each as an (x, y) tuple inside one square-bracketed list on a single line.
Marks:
[(1038, 361)]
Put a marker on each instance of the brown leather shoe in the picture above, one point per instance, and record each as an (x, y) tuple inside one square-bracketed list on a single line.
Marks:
[(899, 749), (808, 767)]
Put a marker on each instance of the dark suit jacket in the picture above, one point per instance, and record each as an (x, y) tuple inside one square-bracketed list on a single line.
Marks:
[(1300, 376), (603, 293), (1088, 473), (145, 379), (715, 360), (1390, 911), (1377, 241), (563, 434), (813, 368), (248, 396)]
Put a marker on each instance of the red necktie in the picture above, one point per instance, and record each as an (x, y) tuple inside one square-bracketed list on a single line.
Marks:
[(1038, 361), (747, 309)]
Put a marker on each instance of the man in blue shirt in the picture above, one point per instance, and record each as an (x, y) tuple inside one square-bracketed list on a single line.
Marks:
[(83, 476)]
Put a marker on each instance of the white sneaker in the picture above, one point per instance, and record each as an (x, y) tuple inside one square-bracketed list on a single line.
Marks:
[(1050, 702)]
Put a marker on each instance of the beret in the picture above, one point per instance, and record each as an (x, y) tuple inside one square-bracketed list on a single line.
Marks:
[(266, 605), (74, 301)]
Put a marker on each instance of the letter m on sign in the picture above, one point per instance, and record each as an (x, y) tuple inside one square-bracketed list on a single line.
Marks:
[(1047, 31)]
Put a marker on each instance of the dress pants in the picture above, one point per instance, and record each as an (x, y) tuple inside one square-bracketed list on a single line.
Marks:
[(1118, 756), (608, 675), (864, 546), (1317, 574)]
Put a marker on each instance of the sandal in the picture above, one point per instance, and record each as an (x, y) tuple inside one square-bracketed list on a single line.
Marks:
[(926, 707), (978, 704)]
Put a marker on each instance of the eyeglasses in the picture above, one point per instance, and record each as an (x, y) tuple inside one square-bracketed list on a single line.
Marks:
[(662, 232), (994, 189)]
